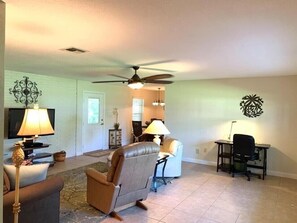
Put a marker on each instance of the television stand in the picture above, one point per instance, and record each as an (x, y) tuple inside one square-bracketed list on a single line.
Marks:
[(51, 163), (30, 155), (31, 144)]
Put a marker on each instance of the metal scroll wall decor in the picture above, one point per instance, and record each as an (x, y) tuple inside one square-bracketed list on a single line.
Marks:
[(251, 106), (25, 91)]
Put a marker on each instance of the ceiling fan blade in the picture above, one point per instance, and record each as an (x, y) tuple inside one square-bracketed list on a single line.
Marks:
[(158, 82), (156, 62), (135, 78), (158, 76), (115, 75), (157, 69), (96, 82), (116, 62)]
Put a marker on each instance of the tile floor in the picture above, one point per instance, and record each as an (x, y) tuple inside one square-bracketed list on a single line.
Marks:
[(202, 195)]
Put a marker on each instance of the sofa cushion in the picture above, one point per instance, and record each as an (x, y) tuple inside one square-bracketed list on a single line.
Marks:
[(6, 183), (28, 174)]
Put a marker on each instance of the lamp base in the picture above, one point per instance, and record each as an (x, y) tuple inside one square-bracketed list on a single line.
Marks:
[(157, 139)]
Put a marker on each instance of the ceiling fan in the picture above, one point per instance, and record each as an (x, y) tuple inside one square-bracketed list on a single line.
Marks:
[(135, 82)]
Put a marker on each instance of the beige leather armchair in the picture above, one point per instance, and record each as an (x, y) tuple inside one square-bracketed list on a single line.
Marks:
[(127, 181)]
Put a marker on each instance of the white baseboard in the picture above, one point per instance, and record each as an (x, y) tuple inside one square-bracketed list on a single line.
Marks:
[(204, 162), (271, 173), (282, 174)]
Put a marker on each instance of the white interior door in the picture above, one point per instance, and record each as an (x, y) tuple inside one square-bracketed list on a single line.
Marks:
[(93, 122)]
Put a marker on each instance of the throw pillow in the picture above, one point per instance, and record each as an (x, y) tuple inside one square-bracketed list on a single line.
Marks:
[(28, 174), (6, 184)]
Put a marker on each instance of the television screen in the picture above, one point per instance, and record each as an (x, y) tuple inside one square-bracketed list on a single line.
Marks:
[(15, 118)]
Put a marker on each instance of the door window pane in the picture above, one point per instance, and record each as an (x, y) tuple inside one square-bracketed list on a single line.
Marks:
[(93, 110)]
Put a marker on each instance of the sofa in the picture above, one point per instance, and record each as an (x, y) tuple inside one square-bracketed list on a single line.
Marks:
[(174, 149), (40, 202), (127, 181)]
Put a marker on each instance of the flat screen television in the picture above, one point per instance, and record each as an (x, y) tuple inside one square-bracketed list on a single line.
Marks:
[(15, 119)]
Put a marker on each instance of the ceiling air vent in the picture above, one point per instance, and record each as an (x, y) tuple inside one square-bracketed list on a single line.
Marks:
[(74, 50)]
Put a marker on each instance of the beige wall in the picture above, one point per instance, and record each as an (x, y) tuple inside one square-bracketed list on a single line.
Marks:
[(66, 96), (197, 117), (149, 110), (203, 114), (58, 93), (2, 36), (116, 97)]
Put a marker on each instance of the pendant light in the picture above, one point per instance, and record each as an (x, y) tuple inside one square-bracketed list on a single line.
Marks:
[(159, 102)]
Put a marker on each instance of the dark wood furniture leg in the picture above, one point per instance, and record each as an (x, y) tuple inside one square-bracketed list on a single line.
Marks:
[(218, 157), (264, 164)]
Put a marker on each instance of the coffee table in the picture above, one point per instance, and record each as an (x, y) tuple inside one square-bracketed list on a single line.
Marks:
[(162, 158)]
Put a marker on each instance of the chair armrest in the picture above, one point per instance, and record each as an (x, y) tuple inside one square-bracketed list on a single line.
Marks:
[(36, 191), (96, 175), (101, 194), (165, 153), (164, 149), (171, 146)]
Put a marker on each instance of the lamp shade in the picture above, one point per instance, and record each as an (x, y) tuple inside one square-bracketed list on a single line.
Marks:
[(35, 122), (157, 128)]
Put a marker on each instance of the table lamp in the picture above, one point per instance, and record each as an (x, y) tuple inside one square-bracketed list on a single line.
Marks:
[(157, 128), (35, 122), (17, 159), (229, 137)]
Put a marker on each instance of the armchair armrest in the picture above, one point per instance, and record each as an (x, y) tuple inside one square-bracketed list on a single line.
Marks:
[(165, 153), (40, 201), (171, 146), (101, 194), (96, 175), (36, 191)]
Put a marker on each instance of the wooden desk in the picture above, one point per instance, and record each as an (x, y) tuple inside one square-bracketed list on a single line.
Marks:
[(223, 153)]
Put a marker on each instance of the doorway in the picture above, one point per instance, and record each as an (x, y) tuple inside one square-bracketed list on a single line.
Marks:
[(93, 134)]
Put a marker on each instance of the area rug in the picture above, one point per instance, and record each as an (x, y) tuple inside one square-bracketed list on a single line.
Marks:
[(99, 153), (74, 208)]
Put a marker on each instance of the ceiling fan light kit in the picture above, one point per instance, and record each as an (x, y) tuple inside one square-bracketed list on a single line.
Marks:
[(135, 85), (135, 82)]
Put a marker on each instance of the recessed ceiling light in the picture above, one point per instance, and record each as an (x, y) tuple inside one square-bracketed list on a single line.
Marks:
[(74, 50)]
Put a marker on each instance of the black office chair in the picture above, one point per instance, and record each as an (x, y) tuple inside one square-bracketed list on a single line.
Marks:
[(137, 131), (243, 151)]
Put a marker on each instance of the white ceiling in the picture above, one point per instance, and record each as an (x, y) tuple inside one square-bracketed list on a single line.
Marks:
[(192, 39)]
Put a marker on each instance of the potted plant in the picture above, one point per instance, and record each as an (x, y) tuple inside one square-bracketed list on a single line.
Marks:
[(60, 156), (116, 125)]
